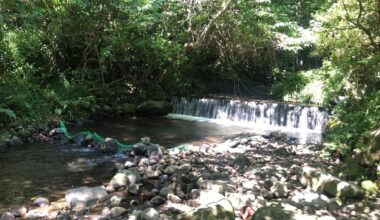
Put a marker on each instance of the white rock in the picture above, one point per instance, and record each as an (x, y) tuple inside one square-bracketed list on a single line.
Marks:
[(85, 196)]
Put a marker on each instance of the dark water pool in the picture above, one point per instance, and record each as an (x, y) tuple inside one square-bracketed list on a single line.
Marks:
[(43, 169)]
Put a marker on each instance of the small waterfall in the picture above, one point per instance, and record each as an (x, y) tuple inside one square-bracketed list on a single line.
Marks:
[(257, 114)]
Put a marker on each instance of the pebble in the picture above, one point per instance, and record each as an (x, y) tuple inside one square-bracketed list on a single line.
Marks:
[(249, 171)]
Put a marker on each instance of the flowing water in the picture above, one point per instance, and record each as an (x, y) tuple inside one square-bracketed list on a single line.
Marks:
[(45, 169), (259, 114)]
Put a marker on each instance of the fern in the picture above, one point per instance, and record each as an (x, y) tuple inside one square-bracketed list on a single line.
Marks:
[(8, 113)]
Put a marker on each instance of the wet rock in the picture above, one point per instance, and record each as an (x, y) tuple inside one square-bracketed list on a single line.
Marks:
[(154, 108), (41, 202), (158, 200), (325, 183), (7, 216), (171, 169), (85, 196), (108, 146), (184, 168), (149, 214), (279, 190), (117, 211), (16, 141), (147, 150)]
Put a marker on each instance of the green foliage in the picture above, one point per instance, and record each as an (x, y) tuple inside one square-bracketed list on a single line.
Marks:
[(349, 35)]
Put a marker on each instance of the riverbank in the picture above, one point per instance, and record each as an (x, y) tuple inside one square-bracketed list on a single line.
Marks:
[(242, 177)]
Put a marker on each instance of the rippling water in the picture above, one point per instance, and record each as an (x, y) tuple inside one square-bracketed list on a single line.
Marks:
[(43, 169)]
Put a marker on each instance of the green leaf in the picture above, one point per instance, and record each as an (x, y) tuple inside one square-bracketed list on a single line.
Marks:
[(9, 113)]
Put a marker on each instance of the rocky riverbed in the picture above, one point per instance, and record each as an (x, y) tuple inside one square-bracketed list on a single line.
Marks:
[(245, 177)]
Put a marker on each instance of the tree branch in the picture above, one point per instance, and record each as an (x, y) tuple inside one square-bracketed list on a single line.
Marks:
[(359, 25), (207, 28)]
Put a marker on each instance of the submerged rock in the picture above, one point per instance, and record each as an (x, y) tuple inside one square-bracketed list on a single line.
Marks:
[(108, 146)]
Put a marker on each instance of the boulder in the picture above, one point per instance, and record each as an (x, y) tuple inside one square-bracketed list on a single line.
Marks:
[(85, 196), (147, 150), (154, 108), (370, 188), (330, 185), (124, 178), (222, 209)]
